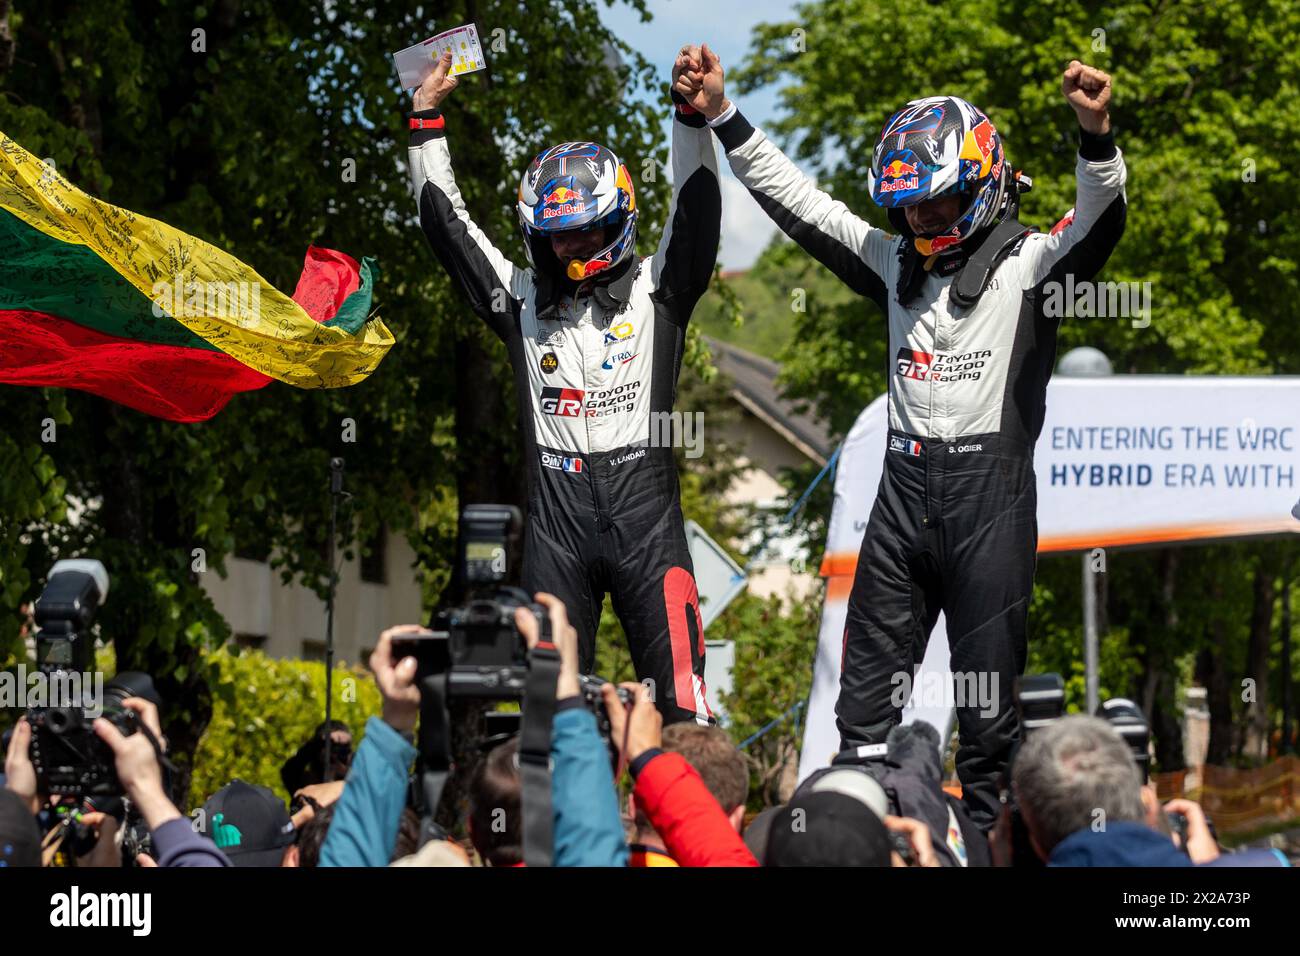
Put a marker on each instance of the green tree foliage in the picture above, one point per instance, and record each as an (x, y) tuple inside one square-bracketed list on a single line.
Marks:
[(32, 492), (264, 709), (775, 645)]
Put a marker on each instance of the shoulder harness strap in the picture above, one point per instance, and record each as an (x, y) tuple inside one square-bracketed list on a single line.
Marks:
[(975, 274)]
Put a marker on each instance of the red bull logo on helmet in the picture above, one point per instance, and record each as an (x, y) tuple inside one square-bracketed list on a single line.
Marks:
[(562, 201), (898, 176), (562, 194), (978, 146)]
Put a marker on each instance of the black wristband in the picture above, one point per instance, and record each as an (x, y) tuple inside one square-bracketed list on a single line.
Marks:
[(639, 763), (1097, 148), (686, 113), (734, 132), (570, 703)]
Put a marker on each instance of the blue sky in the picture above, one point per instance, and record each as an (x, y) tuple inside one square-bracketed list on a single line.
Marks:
[(726, 25)]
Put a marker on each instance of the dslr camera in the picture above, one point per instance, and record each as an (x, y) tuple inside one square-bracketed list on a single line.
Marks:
[(69, 758), (477, 644), (593, 697)]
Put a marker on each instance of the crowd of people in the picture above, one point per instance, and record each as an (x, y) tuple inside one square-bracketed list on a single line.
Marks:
[(1074, 797)]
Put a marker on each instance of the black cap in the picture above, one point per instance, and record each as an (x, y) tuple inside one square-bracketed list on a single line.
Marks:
[(827, 829), (758, 831), (249, 824), (20, 837)]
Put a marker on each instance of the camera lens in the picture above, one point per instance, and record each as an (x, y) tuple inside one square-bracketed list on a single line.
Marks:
[(62, 720)]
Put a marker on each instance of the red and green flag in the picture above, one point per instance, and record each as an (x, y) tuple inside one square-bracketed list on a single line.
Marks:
[(97, 298)]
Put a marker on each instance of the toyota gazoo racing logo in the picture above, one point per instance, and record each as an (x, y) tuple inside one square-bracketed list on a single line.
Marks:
[(943, 368), (958, 368), (905, 446), (564, 402), (562, 463), (619, 333), (618, 358), (914, 364), (612, 400)]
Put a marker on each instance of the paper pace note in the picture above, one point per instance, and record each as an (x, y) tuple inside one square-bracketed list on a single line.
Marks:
[(415, 63)]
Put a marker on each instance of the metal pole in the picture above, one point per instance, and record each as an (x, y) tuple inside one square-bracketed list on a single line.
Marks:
[(1091, 677), (1285, 747), (336, 489)]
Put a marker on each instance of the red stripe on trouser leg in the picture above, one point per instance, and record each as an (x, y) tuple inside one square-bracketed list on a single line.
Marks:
[(680, 596)]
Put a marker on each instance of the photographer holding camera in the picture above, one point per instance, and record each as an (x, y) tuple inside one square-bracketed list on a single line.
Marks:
[(73, 765), (695, 829), (587, 826), (140, 774), (308, 766), (1083, 801), (366, 817), (138, 768)]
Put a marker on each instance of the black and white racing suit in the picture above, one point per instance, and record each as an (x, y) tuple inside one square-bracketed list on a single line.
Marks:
[(954, 526), (594, 369)]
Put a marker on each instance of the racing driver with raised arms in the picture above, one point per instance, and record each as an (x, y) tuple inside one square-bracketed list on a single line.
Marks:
[(594, 335), (954, 524)]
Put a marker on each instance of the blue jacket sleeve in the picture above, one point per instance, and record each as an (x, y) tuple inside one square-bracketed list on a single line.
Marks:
[(588, 830), (364, 829), (176, 844)]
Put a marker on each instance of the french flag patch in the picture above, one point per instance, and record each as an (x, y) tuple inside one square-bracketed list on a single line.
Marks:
[(905, 446), (562, 462)]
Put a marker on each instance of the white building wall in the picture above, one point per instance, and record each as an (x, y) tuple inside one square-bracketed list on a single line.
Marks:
[(292, 618), (790, 573)]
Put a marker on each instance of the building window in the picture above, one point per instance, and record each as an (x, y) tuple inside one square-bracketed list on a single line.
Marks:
[(374, 568), (251, 642)]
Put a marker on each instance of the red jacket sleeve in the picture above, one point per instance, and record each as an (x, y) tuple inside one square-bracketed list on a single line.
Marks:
[(679, 806)]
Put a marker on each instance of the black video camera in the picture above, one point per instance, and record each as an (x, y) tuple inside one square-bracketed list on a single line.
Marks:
[(69, 758), (1040, 701), (477, 644)]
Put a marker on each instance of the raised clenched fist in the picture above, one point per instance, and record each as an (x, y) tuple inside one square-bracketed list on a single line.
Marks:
[(1087, 89)]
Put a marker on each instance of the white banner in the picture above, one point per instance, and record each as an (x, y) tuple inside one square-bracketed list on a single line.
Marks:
[(1125, 460)]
